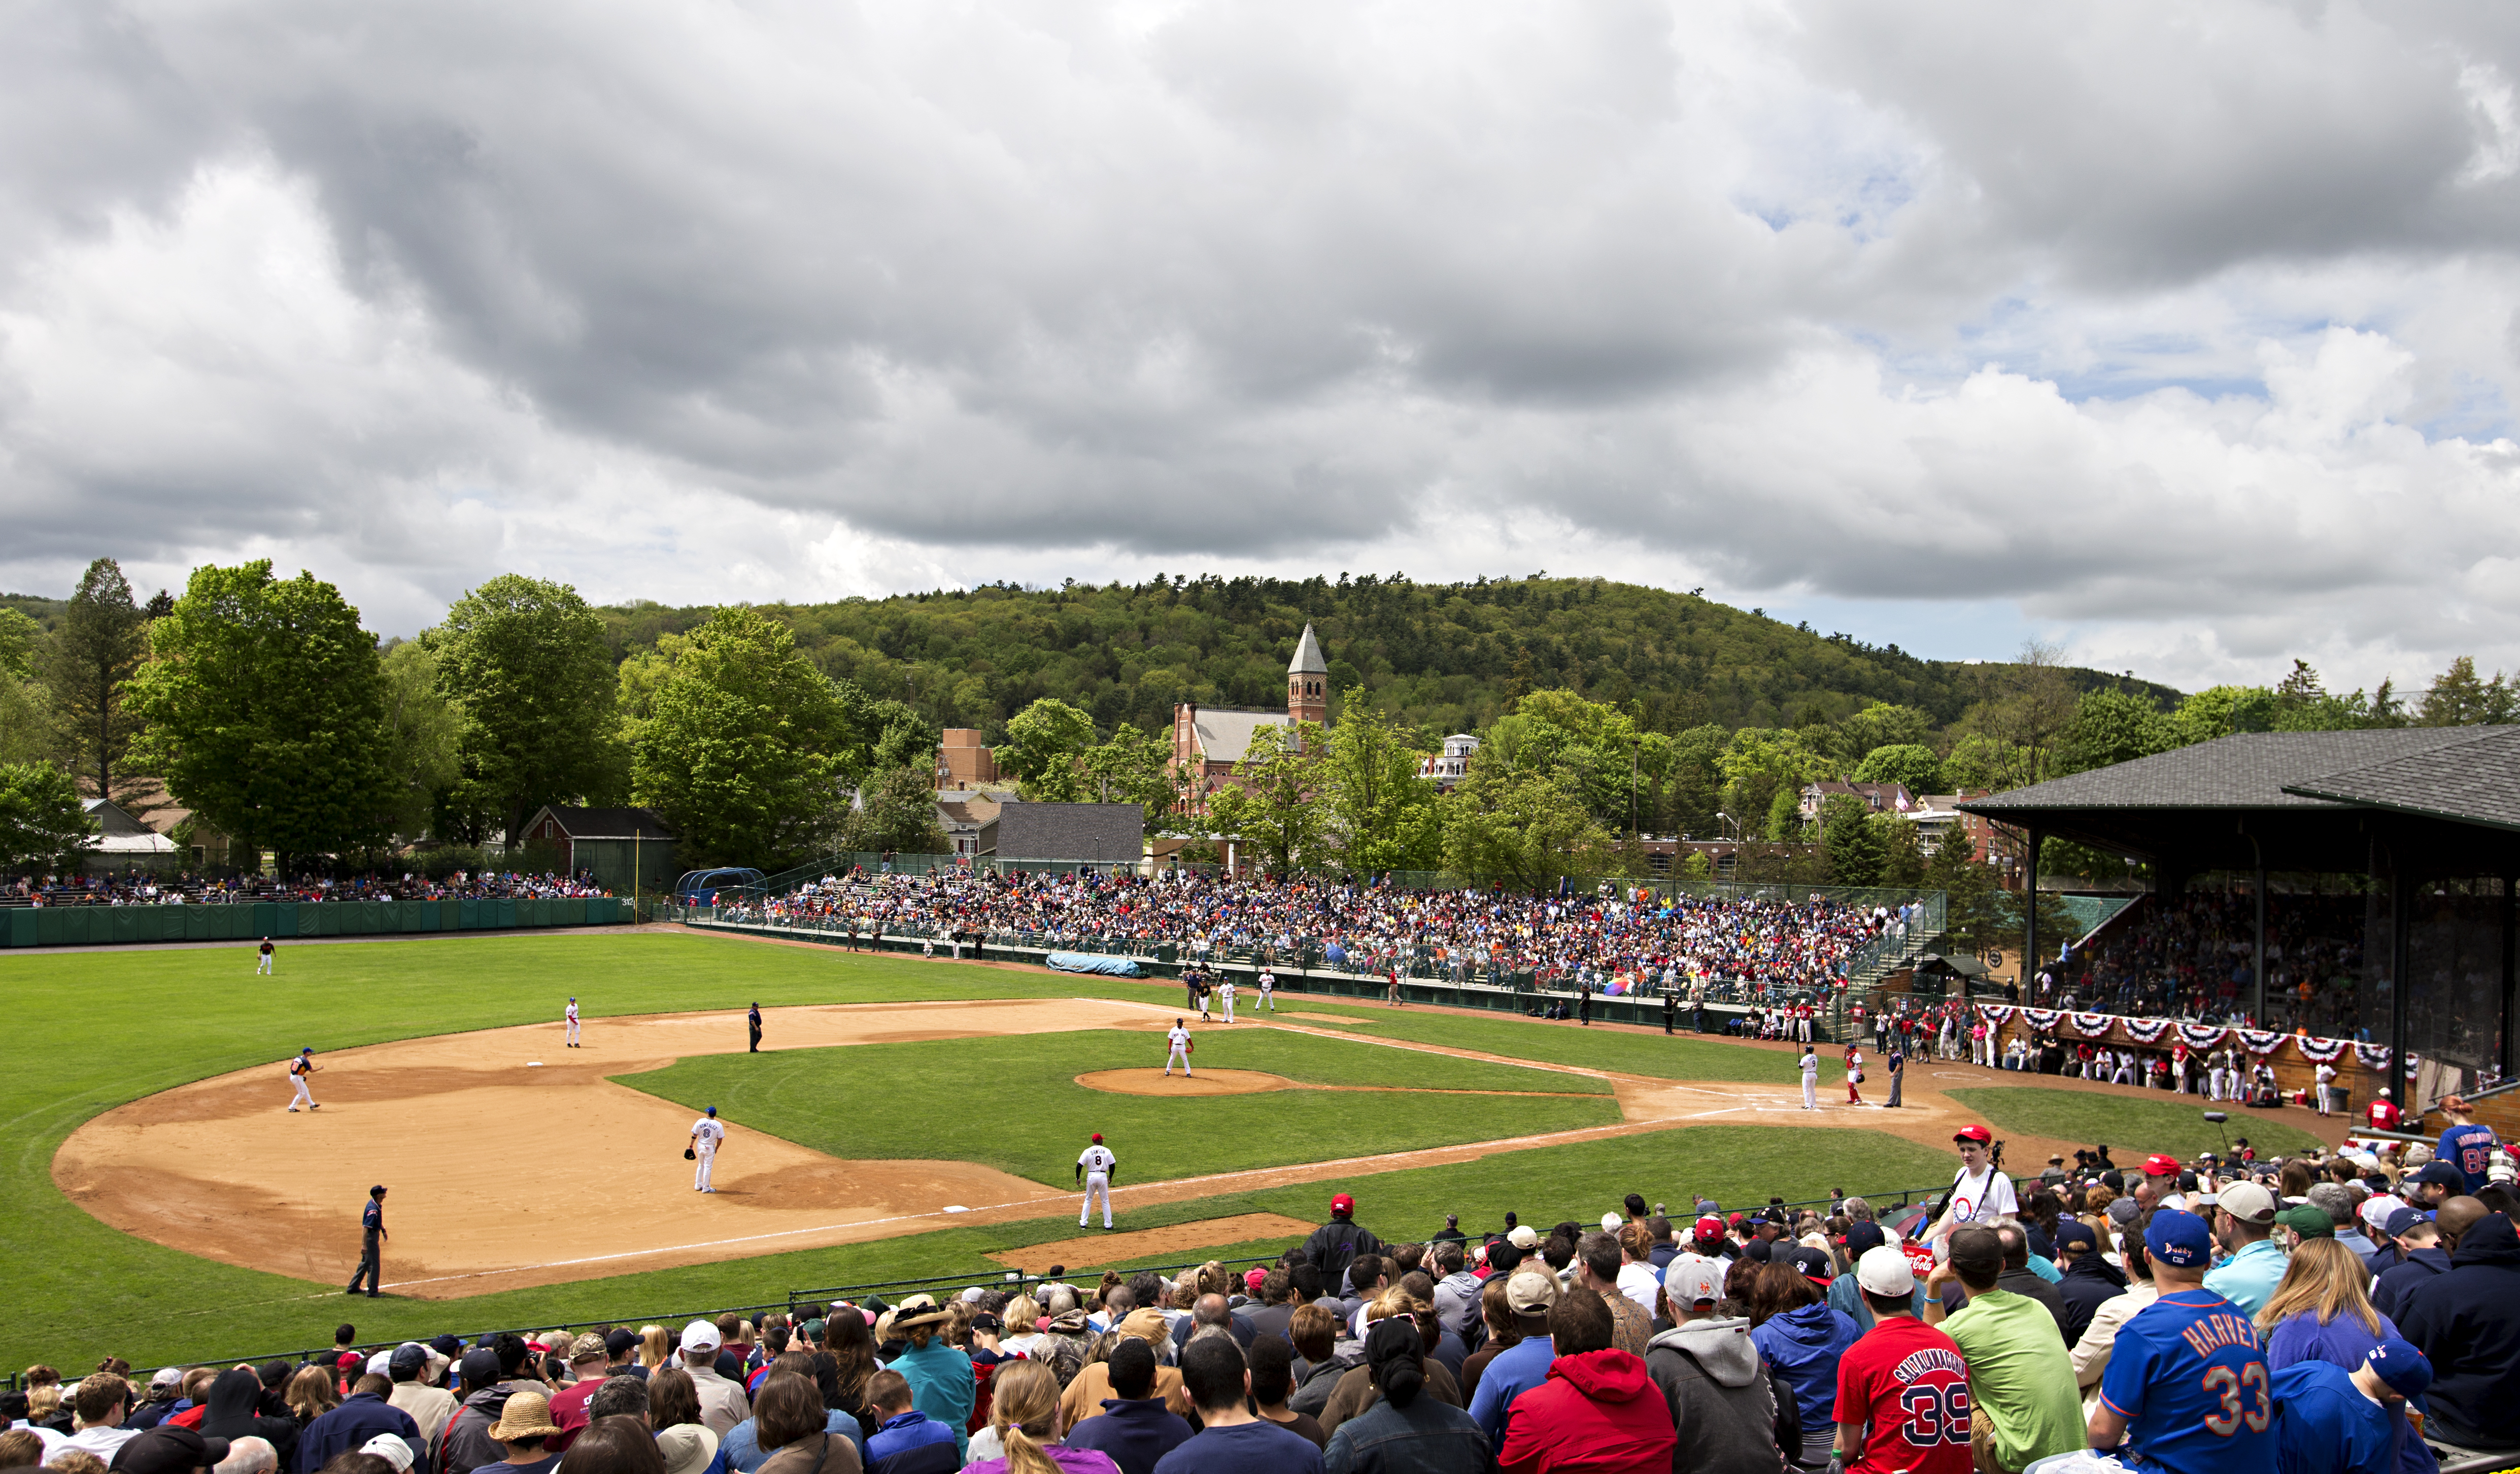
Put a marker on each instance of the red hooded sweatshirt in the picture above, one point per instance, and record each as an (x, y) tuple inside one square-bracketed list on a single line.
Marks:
[(1597, 1413)]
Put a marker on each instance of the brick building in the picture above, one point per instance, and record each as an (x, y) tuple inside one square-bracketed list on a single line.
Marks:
[(962, 762), (1208, 740)]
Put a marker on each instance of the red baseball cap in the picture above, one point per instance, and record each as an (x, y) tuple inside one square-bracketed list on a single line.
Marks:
[(1342, 1203), (1098, 1135), (1709, 1227), (2161, 1165), (1973, 1132)]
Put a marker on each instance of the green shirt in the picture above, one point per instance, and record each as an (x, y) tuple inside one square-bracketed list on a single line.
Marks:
[(2019, 1375)]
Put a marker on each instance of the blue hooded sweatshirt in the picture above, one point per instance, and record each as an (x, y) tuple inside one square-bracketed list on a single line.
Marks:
[(1802, 1347)]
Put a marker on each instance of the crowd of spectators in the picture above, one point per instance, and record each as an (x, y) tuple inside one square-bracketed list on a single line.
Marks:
[(2191, 957), (1622, 941), (2283, 1317), (144, 888)]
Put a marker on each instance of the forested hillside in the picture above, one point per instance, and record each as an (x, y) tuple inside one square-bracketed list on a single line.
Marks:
[(1441, 658)]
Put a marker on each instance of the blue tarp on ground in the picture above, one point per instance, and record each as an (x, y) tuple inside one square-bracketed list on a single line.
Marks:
[(1091, 961)]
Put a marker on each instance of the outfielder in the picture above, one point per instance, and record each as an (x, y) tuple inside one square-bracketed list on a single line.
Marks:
[(1179, 1041), (262, 968), (298, 1069), (1268, 990), (572, 1023), (706, 1133), (1094, 1169), (1225, 996)]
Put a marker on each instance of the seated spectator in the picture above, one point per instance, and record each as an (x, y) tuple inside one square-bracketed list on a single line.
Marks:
[(432, 1407), (613, 1444), (2244, 1221), (97, 1407), (907, 1440), (1273, 1379), (2329, 1420), (1231, 1439), (942, 1384), (1529, 1294), (1024, 1432), (2421, 1256), (1801, 1338), (1597, 1408), (1095, 1389), (1356, 1390), (1405, 1430), (230, 1414), (361, 1417), (1600, 1265), (1724, 1410), (2467, 1323), (1133, 1425), (800, 1435), (1901, 1388), (2021, 1381), (2088, 1279), (687, 1448)]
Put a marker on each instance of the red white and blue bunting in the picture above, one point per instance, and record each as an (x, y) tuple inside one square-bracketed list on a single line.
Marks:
[(2145, 1029), (2321, 1050), (1996, 1014), (2092, 1025), (2374, 1056), (2041, 1020), (2201, 1036), (2261, 1041)]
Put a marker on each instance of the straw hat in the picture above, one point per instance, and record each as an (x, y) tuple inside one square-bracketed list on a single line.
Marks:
[(526, 1415), (916, 1311), (688, 1448)]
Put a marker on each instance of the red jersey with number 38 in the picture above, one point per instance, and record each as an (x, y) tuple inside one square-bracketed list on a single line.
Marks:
[(1909, 1383)]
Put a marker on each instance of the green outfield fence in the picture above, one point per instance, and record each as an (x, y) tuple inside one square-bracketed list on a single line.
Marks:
[(131, 925)]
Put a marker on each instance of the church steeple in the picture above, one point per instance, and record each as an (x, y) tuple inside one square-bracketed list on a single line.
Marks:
[(1308, 681)]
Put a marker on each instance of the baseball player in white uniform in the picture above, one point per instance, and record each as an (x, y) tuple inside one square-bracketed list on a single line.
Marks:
[(706, 1133), (298, 1069), (1811, 1078), (1094, 1169), (2326, 1075), (1268, 990), (572, 1023), (262, 967), (1179, 1042), (1225, 995)]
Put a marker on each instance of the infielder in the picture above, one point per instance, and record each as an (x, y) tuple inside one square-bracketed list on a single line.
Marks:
[(706, 1133), (262, 968), (1094, 1169), (1225, 996), (1179, 1041), (1811, 1078), (298, 1069), (1268, 990), (572, 1023)]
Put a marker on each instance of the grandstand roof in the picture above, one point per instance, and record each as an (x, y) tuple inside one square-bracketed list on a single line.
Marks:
[(1103, 833), (2293, 800), (603, 823)]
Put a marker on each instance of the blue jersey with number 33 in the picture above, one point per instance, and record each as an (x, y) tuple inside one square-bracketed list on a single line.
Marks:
[(2190, 1379)]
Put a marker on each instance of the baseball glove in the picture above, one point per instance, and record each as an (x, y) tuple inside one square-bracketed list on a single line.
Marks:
[(690, 1154), (1191, 1047)]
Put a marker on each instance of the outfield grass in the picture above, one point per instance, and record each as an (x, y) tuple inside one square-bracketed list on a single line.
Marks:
[(2130, 1128), (1028, 1116), (94, 1029)]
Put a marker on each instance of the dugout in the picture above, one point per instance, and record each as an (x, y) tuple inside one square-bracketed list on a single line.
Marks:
[(2421, 825)]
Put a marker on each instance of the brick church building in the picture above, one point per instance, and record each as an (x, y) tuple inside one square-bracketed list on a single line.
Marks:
[(1208, 740)]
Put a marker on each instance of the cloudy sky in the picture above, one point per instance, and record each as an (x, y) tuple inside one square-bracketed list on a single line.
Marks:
[(2187, 334)]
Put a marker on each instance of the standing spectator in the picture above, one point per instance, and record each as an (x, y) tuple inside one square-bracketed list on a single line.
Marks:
[(1902, 1389), (2467, 1146), (1596, 1410), (1335, 1244), (1405, 1431), (2021, 1382), (1724, 1410), (1802, 1339), (942, 1384), (1232, 1438), (2244, 1219), (1597, 1259), (2467, 1325), (2186, 1386), (1529, 1294)]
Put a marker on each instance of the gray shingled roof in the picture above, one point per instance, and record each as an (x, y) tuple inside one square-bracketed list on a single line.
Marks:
[(605, 824), (1225, 732), (2474, 779), (2248, 770), (1308, 659), (1066, 832)]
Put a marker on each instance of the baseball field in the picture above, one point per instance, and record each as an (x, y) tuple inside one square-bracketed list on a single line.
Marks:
[(904, 1118)]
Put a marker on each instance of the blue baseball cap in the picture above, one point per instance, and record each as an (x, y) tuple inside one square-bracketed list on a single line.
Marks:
[(2402, 1366), (2179, 1238), (2402, 1221), (712, 1110)]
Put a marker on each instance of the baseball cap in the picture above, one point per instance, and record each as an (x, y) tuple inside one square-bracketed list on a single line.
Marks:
[(699, 1335), (1098, 1138), (589, 1348), (2402, 1221), (1813, 1263), (449, 1347), (1973, 1132), (167, 1376), (2074, 1233), (390, 1447), (1692, 1279), (409, 1357), (2402, 1366), (1523, 1237), (1884, 1270), (1530, 1291), (1253, 1278), (2248, 1202), (2123, 1211), (1864, 1236), (481, 1368), (167, 1450), (2377, 1210), (1339, 1203), (2442, 1174), (621, 1338), (2180, 1239), (2161, 1165), (2307, 1221), (1709, 1228), (379, 1365)]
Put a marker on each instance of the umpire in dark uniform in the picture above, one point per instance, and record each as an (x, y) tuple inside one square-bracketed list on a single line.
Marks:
[(372, 1246), (1670, 1010), (752, 1023)]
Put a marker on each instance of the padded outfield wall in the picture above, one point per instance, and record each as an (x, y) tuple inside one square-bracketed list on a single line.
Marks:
[(128, 925)]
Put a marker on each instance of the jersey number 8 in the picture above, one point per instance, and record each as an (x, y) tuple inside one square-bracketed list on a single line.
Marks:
[(2227, 1384)]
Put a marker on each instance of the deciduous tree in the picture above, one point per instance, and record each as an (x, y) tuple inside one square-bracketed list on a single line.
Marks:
[(1273, 810), (41, 816), (1045, 749), (1912, 765), (525, 663), (1378, 803)]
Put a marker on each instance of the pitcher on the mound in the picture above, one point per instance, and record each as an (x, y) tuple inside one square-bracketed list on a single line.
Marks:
[(1093, 1170), (1225, 996), (1179, 1040)]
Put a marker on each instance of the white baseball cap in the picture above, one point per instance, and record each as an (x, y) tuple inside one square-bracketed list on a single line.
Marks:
[(699, 1335), (1523, 1237), (1884, 1270), (1692, 1279), (390, 1447)]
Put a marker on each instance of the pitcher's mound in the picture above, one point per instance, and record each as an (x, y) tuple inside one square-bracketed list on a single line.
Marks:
[(1204, 1083)]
